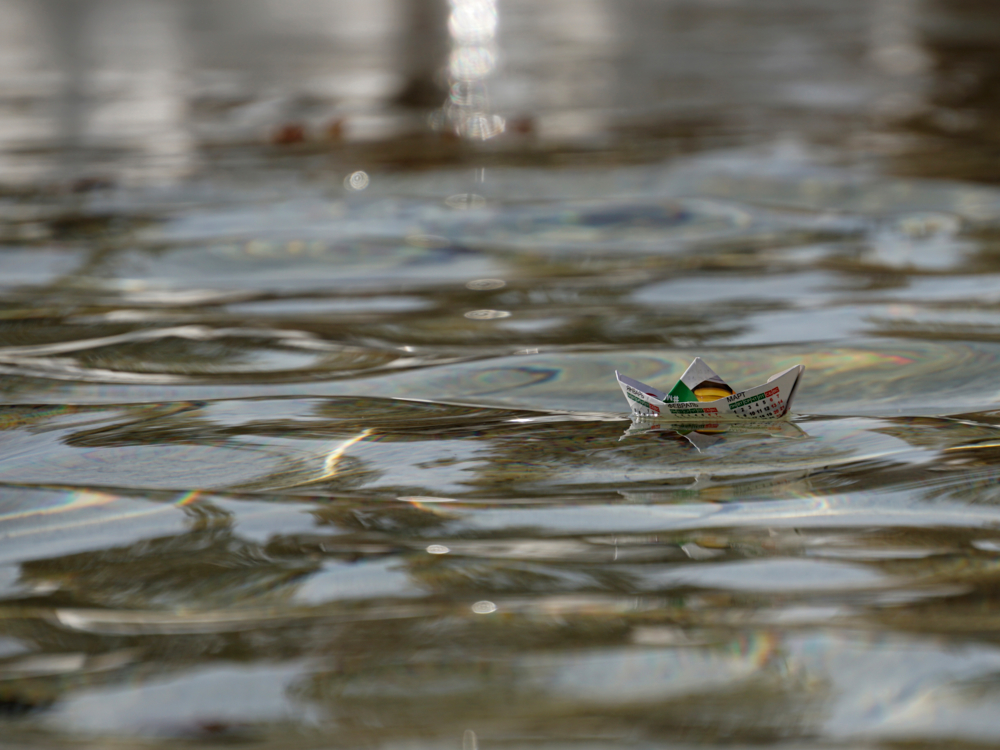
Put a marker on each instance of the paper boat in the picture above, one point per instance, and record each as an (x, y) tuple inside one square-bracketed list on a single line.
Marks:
[(701, 395)]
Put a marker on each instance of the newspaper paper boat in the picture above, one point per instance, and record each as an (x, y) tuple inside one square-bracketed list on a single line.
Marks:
[(703, 396)]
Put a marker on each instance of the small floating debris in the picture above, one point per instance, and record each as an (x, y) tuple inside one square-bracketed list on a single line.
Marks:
[(702, 395)]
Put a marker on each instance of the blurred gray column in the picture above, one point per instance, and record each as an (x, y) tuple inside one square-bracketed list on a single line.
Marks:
[(423, 52)]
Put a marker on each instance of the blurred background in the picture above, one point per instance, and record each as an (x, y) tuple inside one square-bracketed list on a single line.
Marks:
[(161, 90), (309, 317)]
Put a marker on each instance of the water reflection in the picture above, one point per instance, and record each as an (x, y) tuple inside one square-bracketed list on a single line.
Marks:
[(703, 437), (472, 25), (287, 460), (565, 620)]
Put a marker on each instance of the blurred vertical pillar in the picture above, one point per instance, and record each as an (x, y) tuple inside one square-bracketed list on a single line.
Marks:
[(423, 52)]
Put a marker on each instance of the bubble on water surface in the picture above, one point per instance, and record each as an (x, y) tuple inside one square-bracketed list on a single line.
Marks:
[(485, 284), (356, 181), (487, 314)]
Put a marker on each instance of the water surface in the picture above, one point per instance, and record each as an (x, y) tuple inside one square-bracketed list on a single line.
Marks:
[(311, 438)]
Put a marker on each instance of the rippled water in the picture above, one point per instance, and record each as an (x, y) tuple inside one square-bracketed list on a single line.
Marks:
[(289, 463)]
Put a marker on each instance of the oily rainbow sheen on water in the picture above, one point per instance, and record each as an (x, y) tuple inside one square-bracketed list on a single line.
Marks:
[(74, 501)]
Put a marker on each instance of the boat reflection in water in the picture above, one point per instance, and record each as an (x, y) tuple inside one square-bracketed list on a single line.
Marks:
[(704, 435)]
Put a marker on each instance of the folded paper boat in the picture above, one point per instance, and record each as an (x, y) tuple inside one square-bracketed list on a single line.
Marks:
[(701, 395)]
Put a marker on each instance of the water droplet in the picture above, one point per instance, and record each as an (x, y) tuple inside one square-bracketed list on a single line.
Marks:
[(484, 607)]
